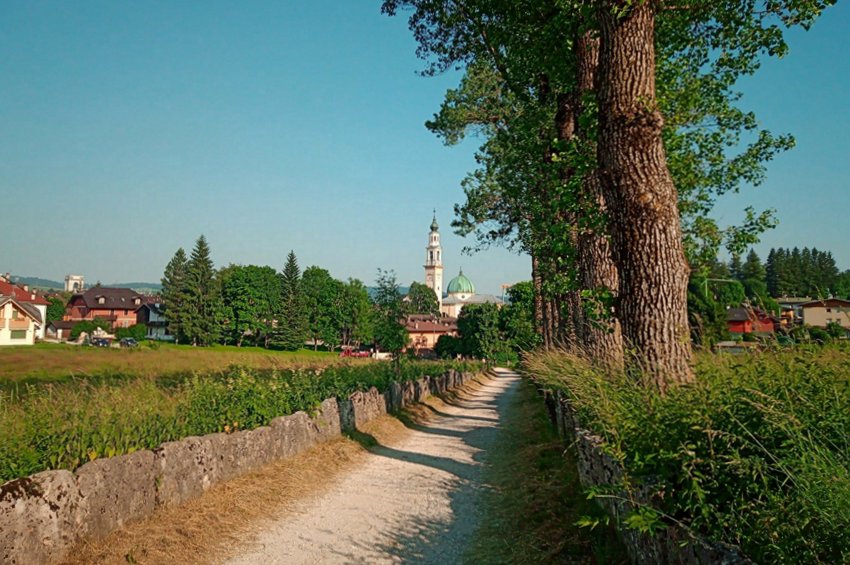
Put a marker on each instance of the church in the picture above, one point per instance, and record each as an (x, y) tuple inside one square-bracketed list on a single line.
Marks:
[(460, 291)]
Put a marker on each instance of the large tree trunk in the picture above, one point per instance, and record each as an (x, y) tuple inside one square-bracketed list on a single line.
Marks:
[(599, 331), (538, 293), (642, 202)]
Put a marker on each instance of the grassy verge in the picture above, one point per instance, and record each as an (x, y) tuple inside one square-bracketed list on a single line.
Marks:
[(756, 453), (536, 499), (50, 362), (63, 426)]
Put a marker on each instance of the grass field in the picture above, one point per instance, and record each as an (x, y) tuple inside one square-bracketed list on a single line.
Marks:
[(49, 362)]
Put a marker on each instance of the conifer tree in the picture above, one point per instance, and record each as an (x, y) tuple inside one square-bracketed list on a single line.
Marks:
[(291, 330), (174, 293), (201, 321)]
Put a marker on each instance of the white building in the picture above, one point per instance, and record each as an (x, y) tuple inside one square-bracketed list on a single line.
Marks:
[(460, 291)]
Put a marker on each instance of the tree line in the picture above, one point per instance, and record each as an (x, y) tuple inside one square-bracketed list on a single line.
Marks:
[(257, 305), (607, 128)]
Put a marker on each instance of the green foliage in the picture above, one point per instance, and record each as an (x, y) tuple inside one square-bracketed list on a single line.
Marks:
[(448, 347), (358, 313), (421, 300), (89, 326), (250, 298), (64, 426), (754, 453), (56, 309), (516, 318), (174, 293), (136, 331), (202, 310), (291, 330), (478, 326), (810, 272), (390, 332), (324, 306)]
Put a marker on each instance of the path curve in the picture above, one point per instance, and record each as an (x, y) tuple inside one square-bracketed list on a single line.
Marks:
[(415, 501)]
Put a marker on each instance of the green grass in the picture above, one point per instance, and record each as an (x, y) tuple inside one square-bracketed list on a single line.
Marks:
[(535, 498), (756, 453), (62, 426), (52, 363)]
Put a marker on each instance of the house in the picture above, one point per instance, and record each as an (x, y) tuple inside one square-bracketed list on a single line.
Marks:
[(820, 313), (20, 321), (152, 315), (60, 329), (424, 330), (747, 320), (792, 310), (24, 295), (118, 306)]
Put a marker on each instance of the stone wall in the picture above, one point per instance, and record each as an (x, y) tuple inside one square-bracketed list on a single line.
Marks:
[(673, 544), (42, 516)]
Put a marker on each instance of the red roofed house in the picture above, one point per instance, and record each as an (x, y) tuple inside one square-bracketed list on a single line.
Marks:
[(23, 295), (115, 305), (750, 320), (424, 330)]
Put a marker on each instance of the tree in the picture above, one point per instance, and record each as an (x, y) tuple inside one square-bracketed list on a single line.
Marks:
[(323, 302), (358, 314), (516, 318), (421, 299), (646, 236), (251, 297), (478, 326), (174, 288), (291, 330), (202, 309), (654, 63), (55, 309), (390, 332)]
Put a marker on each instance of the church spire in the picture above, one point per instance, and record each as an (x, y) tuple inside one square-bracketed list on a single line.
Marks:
[(434, 260)]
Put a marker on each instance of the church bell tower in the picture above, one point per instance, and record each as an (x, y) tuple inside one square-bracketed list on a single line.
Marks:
[(434, 261)]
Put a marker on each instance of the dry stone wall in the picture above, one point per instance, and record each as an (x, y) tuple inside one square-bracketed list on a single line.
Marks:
[(673, 544), (42, 516)]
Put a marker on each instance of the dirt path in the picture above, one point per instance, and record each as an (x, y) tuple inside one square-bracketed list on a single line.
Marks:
[(413, 501)]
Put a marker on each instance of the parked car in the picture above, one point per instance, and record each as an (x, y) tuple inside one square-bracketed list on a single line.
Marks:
[(100, 342), (129, 342)]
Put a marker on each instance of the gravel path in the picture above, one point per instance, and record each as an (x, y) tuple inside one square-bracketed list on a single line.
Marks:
[(411, 502)]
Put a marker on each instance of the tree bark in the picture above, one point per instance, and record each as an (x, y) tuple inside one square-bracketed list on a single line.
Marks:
[(538, 293), (646, 235), (600, 334)]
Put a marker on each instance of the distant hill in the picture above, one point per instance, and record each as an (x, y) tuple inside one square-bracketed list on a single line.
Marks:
[(143, 287), (39, 283), (47, 284)]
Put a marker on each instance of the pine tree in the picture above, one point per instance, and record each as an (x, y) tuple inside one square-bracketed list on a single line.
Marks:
[(752, 269), (736, 268), (203, 310), (174, 293), (291, 330)]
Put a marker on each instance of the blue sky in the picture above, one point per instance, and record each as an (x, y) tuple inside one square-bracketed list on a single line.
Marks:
[(130, 129)]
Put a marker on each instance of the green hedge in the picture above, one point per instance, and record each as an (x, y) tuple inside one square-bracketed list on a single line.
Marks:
[(756, 453), (64, 426)]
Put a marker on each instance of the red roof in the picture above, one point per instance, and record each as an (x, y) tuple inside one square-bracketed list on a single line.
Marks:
[(21, 295)]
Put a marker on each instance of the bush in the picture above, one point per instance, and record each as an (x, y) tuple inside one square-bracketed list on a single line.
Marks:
[(63, 426), (754, 453), (137, 332), (89, 326)]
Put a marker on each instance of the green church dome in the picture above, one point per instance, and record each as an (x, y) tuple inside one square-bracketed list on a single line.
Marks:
[(434, 226), (460, 285)]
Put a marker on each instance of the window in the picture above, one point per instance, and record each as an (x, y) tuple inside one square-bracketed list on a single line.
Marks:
[(101, 300), (15, 314), (19, 334)]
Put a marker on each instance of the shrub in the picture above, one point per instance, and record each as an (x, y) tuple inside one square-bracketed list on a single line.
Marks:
[(63, 426), (754, 453)]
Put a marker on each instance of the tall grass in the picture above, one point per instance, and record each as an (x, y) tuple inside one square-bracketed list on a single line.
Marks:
[(755, 453), (65, 425)]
